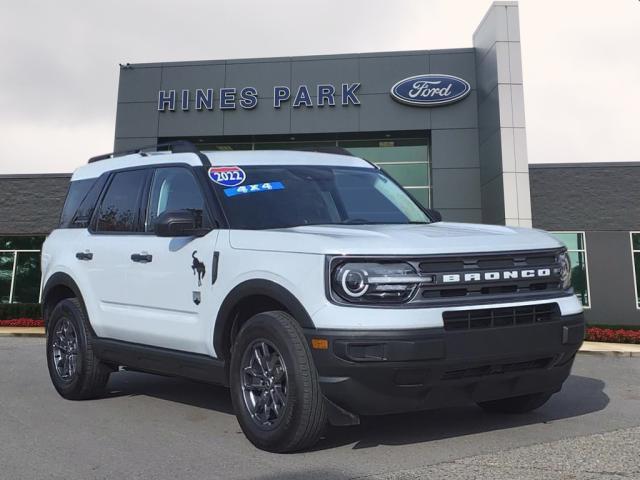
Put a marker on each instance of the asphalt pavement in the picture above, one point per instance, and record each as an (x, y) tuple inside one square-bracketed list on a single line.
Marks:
[(151, 427)]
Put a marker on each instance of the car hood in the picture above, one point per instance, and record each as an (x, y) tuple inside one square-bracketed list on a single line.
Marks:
[(435, 238)]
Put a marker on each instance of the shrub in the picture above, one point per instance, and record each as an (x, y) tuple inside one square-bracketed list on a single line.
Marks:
[(22, 322), (20, 310), (597, 334), (615, 327)]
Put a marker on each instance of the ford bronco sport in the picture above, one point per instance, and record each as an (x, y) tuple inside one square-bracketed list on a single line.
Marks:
[(310, 283)]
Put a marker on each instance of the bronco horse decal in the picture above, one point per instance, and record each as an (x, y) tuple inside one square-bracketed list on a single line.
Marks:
[(198, 268)]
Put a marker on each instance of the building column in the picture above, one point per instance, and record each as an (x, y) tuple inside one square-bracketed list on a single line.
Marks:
[(504, 171)]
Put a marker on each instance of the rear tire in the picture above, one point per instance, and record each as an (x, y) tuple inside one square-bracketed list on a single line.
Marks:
[(521, 404), (75, 371), (274, 385)]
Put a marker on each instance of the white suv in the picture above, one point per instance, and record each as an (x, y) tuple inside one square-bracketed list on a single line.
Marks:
[(310, 283)]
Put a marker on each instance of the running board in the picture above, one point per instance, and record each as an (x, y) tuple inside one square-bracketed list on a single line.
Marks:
[(162, 361)]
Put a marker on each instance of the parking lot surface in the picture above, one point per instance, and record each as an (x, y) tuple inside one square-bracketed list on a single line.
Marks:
[(156, 428)]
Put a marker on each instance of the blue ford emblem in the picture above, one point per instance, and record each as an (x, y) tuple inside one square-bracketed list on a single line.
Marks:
[(430, 90)]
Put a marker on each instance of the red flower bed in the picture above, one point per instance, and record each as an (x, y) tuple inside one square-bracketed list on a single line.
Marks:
[(21, 322), (597, 334)]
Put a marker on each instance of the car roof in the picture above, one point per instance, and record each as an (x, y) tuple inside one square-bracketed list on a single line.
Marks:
[(283, 157), (220, 158)]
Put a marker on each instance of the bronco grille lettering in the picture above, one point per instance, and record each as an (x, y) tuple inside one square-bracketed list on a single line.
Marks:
[(493, 276)]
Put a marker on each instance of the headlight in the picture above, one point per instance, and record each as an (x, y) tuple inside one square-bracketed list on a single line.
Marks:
[(369, 282), (565, 270)]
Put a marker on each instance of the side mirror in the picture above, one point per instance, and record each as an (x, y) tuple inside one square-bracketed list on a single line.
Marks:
[(180, 223), (435, 215)]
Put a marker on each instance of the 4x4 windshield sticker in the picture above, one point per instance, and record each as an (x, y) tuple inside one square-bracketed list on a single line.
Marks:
[(227, 176), (258, 187)]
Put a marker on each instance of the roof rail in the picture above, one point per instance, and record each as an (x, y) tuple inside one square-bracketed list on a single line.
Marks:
[(177, 146)]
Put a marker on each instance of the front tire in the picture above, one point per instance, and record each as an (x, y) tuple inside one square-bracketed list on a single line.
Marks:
[(274, 385), (521, 404), (75, 371)]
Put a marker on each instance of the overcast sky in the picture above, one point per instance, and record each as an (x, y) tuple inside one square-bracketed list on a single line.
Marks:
[(59, 68)]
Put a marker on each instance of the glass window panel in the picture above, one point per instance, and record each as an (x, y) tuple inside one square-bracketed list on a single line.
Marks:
[(82, 216), (579, 276), (294, 145), (422, 195), (573, 241), (6, 271), (392, 154), (636, 260), (77, 192), (224, 146), (385, 142), (119, 207), (348, 144), (26, 286), (412, 174), (21, 242), (635, 238)]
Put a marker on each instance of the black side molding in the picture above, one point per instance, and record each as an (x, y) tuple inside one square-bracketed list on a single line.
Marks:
[(162, 361), (214, 267)]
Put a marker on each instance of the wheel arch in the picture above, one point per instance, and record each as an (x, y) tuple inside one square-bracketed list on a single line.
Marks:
[(58, 287), (250, 298)]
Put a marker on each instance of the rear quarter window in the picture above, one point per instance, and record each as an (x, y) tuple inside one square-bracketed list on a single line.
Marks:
[(75, 195), (81, 202)]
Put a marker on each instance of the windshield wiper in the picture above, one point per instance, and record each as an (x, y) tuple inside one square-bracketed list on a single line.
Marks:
[(356, 221)]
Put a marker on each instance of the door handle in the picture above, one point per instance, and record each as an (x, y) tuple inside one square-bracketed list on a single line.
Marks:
[(141, 257), (84, 256)]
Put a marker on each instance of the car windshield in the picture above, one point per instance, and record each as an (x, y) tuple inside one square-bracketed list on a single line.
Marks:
[(277, 196)]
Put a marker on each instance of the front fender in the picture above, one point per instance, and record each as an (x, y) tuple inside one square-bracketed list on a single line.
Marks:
[(253, 287)]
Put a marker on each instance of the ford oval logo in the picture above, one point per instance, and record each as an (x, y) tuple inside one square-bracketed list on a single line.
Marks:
[(430, 90)]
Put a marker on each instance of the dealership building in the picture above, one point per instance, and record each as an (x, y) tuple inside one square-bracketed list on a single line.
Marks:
[(448, 125)]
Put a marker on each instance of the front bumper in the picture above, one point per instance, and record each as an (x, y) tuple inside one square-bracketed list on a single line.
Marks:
[(390, 371)]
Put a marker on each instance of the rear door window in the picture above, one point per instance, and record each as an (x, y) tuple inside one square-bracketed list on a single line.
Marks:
[(120, 207)]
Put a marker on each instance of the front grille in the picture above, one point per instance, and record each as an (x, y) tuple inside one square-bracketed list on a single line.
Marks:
[(438, 268), (500, 317), (497, 369), (488, 261)]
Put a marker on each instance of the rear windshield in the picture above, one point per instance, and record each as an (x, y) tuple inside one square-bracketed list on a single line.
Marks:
[(289, 196)]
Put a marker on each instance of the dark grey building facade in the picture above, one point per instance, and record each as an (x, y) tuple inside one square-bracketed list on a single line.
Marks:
[(466, 158), (595, 209), (30, 208), (31, 204)]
